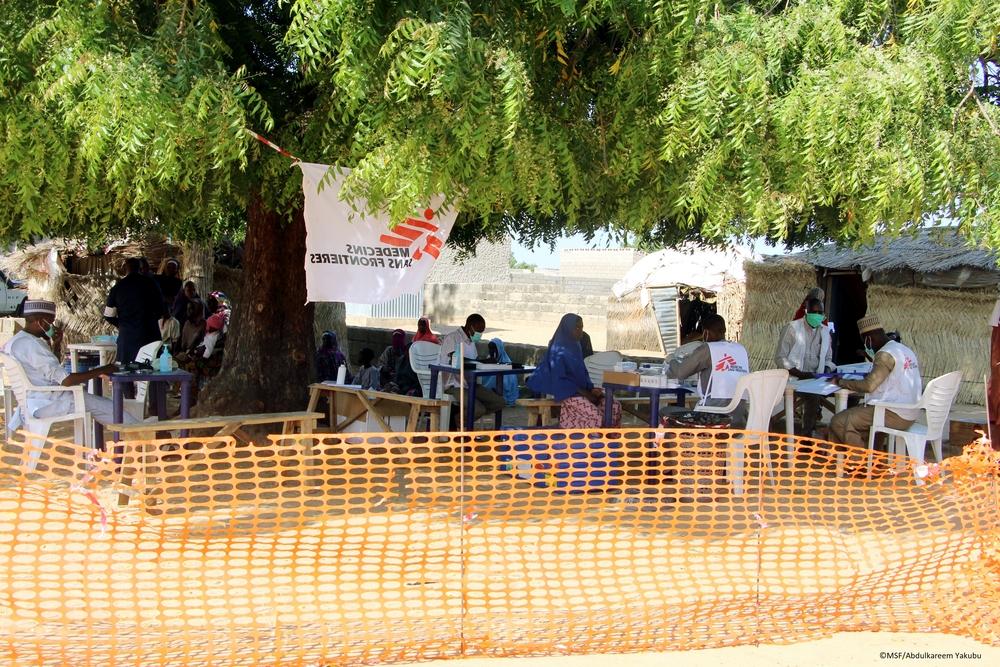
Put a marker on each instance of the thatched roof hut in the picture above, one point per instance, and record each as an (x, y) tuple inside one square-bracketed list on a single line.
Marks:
[(660, 298), (934, 288), (78, 281)]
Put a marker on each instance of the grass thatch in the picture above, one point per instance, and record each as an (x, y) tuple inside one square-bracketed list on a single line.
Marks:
[(948, 330), (80, 290), (731, 304), (632, 326), (773, 293)]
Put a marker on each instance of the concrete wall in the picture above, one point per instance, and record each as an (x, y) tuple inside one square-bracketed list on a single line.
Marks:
[(608, 264), (542, 302), (489, 264)]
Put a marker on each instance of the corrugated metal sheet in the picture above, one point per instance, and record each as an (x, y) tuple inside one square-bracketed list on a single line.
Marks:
[(664, 302), (404, 306)]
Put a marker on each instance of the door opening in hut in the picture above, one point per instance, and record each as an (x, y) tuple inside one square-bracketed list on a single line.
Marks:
[(847, 294)]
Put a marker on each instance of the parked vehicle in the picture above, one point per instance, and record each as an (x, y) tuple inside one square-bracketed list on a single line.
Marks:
[(13, 292)]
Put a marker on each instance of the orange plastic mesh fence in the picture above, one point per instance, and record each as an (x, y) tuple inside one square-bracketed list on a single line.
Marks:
[(329, 549)]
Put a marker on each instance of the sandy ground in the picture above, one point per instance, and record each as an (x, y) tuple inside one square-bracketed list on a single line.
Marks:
[(351, 566), (853, 648)]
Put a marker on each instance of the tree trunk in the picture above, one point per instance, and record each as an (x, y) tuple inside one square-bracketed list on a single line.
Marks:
[(269, 347), (199, 266)]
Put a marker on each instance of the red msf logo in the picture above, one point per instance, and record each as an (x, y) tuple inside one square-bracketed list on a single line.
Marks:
[(408, 233), (726, 363), (908, 364)]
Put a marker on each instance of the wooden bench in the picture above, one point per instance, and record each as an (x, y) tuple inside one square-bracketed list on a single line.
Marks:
[(355, 403), (136, 456), (541, 411), (291, 422)]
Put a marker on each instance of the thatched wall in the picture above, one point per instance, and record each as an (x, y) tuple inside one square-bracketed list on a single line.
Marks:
[(62, 271), (731, 304), (947, 329), (773, 293), (631, 326)]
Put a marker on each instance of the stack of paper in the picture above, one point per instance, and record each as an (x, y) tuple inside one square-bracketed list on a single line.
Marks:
[(815, 386)]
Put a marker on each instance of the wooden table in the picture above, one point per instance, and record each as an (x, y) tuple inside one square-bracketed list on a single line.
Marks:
[(356, 403)]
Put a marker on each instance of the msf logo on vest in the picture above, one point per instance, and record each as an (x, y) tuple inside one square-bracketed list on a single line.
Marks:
[(728, 363), (414, 232), (909, 363)]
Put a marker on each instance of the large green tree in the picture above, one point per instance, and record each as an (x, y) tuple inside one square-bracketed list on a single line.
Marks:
[(671, 120)]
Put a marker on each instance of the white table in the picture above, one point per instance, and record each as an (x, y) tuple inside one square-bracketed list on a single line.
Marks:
[(840, 398), (106, 352)]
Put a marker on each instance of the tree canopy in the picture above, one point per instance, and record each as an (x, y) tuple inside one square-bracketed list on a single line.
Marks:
[(795, 121), (671, 119)]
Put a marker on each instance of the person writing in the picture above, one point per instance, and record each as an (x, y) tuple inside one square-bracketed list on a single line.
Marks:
[(894, 378), (719, 364), (562, 374), (466, 337), (804, 350)]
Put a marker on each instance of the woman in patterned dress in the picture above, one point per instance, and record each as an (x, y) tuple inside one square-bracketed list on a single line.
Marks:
[(563, 375)]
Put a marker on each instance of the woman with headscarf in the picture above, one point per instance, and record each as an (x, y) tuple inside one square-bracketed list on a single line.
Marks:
[(424, 332), (391, 355), (498, 355), (563, 375), (329, 358)]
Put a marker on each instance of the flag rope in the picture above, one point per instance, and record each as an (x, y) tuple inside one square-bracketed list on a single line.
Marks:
[(270, 144)]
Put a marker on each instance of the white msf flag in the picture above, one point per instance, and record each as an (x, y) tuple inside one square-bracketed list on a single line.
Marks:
[(356, 258)]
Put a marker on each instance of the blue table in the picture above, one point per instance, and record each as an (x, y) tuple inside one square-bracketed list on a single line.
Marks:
[(471, 380), (654, 394), (158, 384)]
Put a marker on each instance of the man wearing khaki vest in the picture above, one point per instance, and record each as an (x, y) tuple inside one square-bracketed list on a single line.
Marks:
[(894, 378)]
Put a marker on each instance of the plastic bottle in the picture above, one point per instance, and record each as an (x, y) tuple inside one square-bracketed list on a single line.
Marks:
[(342, 374), (166, 362)]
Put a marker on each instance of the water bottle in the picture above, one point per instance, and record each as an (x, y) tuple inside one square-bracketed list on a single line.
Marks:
[(663, 368), (342, 374), (166, 362)]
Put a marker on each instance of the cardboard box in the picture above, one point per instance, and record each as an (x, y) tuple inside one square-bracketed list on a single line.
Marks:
[(616, 377), (657, 380)]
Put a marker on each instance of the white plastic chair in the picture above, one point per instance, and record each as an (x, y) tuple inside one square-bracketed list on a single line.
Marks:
[(137, 406), (422, 355), (83, 421), (764, 391), (935, 402), (8, 398), (599, 362)]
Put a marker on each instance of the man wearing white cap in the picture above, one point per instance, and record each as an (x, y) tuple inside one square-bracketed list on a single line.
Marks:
[(29, 346), (895, 378)]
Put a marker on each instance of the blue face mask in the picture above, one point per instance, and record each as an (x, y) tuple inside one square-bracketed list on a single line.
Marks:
[(814, 319), (476, 336)]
